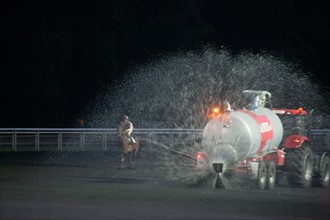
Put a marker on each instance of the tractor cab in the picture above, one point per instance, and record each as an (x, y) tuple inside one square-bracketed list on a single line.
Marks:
[(296, 126), (294, 121), (257, 98)]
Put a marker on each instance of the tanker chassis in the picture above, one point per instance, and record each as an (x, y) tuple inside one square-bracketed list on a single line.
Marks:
[(263, 144)]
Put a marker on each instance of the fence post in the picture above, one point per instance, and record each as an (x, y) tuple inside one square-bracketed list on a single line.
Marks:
[(105, 141), (37, 144), (59, 141), (172, 140), (14, 141), (82, 139), (149, 139)]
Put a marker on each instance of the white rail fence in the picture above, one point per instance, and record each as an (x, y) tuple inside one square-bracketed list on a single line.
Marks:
[(94, 139), (87, 139)]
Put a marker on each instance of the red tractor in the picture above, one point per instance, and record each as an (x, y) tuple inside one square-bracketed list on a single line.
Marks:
[(305, 164), (263, 144)]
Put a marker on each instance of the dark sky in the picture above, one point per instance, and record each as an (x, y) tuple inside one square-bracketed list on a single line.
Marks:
[(56, 55)]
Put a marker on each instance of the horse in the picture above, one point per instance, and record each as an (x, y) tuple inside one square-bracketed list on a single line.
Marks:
[(125, 147)]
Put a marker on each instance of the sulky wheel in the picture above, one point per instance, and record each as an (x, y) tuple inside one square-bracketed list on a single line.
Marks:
[(301, 164)]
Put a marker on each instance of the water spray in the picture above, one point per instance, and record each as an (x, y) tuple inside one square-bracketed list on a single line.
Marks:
[(177, 91)]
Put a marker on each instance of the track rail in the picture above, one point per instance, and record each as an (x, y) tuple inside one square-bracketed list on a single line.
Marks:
[(85, 139), (104, 139)]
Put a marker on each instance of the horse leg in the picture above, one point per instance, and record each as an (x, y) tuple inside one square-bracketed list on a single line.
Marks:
[(122, 161), (136, 150), (137, 147), (131, 159)]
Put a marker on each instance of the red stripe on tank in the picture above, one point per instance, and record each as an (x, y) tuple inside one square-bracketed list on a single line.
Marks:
[(266, 128)]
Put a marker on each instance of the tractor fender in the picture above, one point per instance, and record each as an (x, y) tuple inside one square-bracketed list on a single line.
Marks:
[(294, 141)]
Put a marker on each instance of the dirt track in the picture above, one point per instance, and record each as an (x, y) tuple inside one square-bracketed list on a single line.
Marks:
[(33, 189)]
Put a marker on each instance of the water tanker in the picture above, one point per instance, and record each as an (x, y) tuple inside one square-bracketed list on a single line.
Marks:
[(250, 142)]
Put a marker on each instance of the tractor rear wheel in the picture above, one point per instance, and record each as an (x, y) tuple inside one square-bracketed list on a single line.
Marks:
[(321, 179), (301, 164)]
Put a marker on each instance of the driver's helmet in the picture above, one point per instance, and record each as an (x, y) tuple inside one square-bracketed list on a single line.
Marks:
[(226, 107), (125, 117)]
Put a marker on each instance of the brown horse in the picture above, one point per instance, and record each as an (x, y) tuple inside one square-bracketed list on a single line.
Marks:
[(125, 147)]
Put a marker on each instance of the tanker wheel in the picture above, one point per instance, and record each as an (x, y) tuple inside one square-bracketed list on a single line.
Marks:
[(322, 178), (262, 175), (271, 175), (301, 165)]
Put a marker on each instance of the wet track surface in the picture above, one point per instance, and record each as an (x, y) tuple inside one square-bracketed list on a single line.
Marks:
[(67, 186)]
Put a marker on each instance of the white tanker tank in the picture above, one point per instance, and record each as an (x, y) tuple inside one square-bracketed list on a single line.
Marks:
[(253, 131)]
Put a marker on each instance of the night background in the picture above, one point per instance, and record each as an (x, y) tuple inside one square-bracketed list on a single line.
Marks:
[(58, 55)]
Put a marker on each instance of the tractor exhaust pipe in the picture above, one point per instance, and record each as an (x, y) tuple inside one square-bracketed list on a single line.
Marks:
[(217, 167)]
